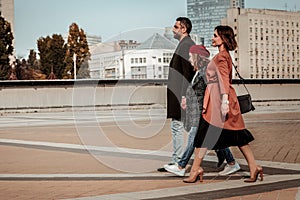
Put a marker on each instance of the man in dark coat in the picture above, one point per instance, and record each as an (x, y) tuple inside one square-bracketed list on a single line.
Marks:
[(180, 75)]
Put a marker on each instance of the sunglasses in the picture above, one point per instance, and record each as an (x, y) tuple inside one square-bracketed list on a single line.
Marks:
[(177, 27)]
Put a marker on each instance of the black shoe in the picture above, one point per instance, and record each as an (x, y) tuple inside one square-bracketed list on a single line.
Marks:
[(162, 169)]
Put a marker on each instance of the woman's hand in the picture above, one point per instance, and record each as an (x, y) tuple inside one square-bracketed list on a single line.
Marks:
[(224, 110), (224, 106)]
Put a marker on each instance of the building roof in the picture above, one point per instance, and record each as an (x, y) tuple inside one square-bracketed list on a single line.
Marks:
[(157, 41)]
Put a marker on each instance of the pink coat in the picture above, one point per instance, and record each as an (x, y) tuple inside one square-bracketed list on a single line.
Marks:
[(219, 79)]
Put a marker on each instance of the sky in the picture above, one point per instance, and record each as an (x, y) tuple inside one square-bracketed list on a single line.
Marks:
[(110, 19)]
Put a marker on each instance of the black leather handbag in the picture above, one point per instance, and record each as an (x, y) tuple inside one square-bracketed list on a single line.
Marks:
[(245, 100)]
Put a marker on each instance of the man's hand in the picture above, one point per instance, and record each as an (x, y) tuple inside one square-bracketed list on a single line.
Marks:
[(183, 103)]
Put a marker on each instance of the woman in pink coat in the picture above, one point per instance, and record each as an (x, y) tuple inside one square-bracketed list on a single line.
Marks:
[(222, 124)]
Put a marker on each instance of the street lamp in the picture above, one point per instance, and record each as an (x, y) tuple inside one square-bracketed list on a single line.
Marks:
[(74, 60), (122, 44)]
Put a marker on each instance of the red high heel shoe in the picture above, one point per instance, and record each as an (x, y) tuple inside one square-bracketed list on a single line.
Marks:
[(259, 170), (194, 176)]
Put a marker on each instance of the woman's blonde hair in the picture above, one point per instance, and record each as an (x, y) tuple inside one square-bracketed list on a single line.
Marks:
[(199, 61)]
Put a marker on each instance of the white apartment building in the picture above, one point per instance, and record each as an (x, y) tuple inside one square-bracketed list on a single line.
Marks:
[(268, 43), (131, 60)]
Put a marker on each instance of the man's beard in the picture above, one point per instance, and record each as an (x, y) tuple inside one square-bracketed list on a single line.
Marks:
[(176, 36)]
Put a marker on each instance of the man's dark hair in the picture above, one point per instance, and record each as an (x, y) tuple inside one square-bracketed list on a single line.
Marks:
[(186, 22)]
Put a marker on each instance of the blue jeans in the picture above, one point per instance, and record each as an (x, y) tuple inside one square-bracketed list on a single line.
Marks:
[(178, 139), (225, 153), (189, 149)]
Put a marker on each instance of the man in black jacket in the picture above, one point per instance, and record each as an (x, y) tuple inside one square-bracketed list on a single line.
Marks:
[(180, 75)]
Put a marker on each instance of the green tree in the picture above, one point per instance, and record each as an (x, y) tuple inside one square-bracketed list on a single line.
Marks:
[(78, 45), (52, 53), (32, 60), (6, 48)]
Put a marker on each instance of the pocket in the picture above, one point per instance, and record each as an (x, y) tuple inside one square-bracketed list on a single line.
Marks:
[(235, 107)]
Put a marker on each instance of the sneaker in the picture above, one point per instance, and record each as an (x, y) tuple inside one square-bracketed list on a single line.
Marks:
[(230, 169), (175, 170), (162, 169)]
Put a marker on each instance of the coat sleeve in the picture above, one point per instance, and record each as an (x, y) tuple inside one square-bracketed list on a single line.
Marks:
[(223, 74), (187, 68)]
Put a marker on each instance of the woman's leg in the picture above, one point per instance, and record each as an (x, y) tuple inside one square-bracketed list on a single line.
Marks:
[(223, 154), (196, 169), (232, 166), (228, 156), (220, 156), (197, 159), (248, 154)]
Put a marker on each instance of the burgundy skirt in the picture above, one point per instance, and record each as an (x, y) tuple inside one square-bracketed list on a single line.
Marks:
[(212, 137)]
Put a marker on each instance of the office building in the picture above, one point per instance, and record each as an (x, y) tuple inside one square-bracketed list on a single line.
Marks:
[(268, 43), (207, 14), (93, 39)]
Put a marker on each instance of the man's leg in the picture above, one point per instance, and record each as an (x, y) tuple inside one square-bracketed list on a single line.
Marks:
[(178, 140), (232, 166), (179, 167), (189, 149)]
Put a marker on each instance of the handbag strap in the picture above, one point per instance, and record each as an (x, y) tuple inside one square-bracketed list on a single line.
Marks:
[(239, 75)]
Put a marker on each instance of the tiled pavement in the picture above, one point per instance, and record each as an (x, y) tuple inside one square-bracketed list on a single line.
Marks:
[(42, 157)]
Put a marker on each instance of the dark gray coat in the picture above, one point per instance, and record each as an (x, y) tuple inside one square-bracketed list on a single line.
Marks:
[(180, 75), (194, 100)]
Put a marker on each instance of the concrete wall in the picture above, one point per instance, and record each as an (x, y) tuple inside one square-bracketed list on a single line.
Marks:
[(36, 96)]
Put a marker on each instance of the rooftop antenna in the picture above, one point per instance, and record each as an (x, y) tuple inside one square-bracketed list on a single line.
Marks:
[(285, 5)]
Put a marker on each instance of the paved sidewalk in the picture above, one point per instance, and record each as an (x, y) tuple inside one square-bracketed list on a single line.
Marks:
[(43, 157)]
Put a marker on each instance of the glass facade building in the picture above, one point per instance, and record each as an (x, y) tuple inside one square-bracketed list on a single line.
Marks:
[(207, 14)]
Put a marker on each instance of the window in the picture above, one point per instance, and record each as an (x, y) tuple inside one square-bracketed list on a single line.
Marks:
[(139, 72)]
